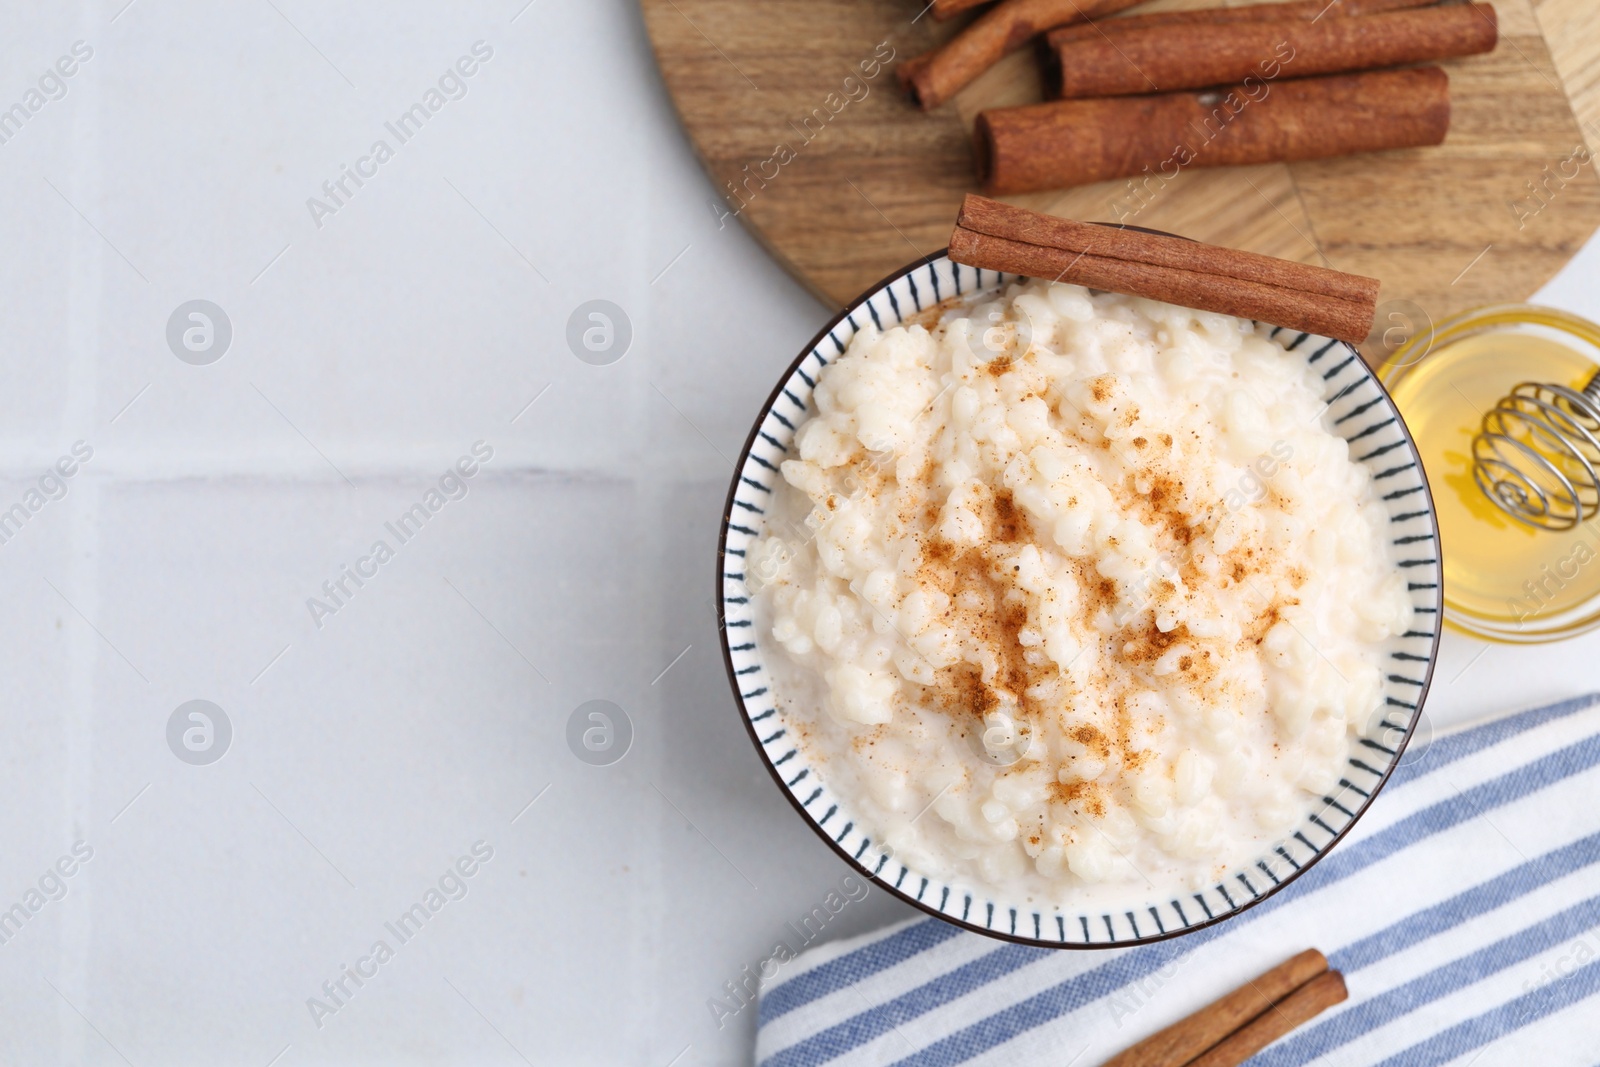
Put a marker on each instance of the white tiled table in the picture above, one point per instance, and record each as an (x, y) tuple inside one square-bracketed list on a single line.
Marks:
[(368, 354)]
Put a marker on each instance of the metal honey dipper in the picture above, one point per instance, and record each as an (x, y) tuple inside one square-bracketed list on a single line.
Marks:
[(1537, 454)]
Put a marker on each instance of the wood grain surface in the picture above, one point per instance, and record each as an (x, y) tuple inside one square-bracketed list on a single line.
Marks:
[(816, 150)]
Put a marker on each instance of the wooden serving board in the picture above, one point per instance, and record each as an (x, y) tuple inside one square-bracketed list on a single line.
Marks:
[(845, 181)]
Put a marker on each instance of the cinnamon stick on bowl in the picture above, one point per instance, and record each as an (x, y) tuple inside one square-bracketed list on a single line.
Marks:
[(1074, 142), (936, 76), (1193, 55), (1014, 240)]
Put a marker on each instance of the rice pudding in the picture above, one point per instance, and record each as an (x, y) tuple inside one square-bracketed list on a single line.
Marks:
[(1071, 592)]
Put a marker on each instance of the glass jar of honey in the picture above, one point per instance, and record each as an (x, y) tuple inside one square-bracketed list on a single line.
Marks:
[(1504, 580)]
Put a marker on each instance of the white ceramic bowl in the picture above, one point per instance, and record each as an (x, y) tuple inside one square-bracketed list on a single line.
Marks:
[(1359, 410)]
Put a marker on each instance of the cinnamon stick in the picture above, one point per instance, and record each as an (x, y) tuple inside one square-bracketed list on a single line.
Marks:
[(1298, 1008), (1170, 269), (1309, 10), (936, 76), (995, 219), (1074, 142), (1188, 1038), (1189, 56), (949, 9)]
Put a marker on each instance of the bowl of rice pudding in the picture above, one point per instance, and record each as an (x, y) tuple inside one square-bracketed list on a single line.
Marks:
[(1074, 618)]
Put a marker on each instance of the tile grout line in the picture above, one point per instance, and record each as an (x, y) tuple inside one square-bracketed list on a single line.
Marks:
[(86, 285)]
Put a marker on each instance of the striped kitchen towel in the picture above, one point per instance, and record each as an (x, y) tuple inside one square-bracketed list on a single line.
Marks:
[(1464, 911)]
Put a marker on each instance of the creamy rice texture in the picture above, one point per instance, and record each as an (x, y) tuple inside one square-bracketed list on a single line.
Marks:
[(1074, 592)]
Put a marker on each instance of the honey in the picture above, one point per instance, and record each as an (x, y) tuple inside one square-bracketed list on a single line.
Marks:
[(1504, 580)]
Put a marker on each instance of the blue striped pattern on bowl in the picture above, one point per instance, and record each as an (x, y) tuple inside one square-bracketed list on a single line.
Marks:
[(1358, 409)]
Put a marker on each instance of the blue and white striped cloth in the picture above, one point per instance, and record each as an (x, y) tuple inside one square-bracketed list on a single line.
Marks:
[(1464, 911)]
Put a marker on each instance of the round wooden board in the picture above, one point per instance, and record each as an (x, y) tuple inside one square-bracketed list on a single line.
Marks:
[(845, 181)]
